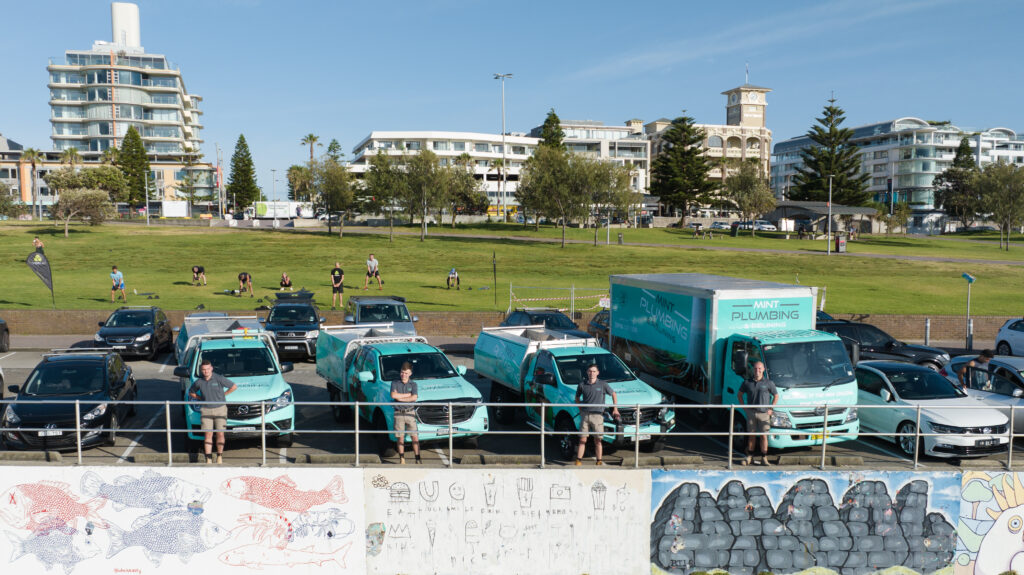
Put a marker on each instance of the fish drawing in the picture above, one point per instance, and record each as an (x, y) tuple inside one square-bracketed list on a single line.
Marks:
[(169, 532), (329, 523), (151, 491), (257, 556), (59, 547), (47, 505), (281, 493)]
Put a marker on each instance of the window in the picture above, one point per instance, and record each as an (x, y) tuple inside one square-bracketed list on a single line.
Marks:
[(412, 145), (879, 168), (544, 365), (441, 146), (715, 142), (869, 382), (459, 146), (871, 336), (481, 147), (496, 148)]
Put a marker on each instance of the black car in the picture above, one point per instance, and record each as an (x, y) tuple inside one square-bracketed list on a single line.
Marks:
[(295, 320), (42, 416), (137, 331), (598, 327), (551, 318), (876, 344), (5, 336)]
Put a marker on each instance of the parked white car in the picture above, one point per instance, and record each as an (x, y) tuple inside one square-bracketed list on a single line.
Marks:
[(967, 428), (1010, 339), (999, 384), (764, 226)]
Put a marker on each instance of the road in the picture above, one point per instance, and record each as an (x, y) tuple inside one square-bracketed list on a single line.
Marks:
[(144, 437)]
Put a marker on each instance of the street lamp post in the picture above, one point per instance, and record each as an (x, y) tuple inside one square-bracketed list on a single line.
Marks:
[(967, 330), (273, 188), (145, 179), (504, 167), (828, 233)]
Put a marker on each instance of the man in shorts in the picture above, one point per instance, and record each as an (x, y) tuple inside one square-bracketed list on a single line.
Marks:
[(592, 392), (117, 284), (758, 390), (372, 271), (212, 389), (337, 286), (244, 282), (404, 390), (453, 278), (198, 274)]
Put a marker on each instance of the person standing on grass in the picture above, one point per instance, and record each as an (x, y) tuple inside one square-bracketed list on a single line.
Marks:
[(372, 271), (337, 285), (453, 278), (37, 244), (117, 284), (244, 282), (760, 391), (592, 392), (404, 390), (212, 388), (198, 274)]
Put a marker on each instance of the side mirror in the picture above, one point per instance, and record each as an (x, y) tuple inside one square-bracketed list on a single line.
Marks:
[(350, 318), (13, 388), (546, 379), (102, 323), (854, 352), (287, 366), (181, 371), (461, 369), (365, 376), (886, 396), (1018, 393), (323, 319), (263, 320), (415, 318)]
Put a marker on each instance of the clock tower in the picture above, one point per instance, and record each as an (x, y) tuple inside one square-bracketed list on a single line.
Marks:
[(745, 106)]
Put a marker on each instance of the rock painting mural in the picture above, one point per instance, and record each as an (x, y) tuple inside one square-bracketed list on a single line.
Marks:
[(107, 519), (849, 523), (990, 533), (506, 521)]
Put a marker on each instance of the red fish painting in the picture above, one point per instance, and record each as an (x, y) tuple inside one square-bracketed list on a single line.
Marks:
[(47, 505), (282, 494)]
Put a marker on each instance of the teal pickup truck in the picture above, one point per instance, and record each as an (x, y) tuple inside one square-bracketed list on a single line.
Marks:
[(201, 323), (250, 361), (360, 362), (537, 366)]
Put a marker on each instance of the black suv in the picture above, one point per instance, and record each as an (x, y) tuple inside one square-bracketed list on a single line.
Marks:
[(876, 344), (294, 320), (98, 378), (136, 330), (5, 336), (551, 318)]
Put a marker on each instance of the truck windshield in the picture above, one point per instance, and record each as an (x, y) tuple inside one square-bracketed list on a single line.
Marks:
[(431, 365), (808, 364), (573, 368), (383, 312), (239, 362), (292, 314)]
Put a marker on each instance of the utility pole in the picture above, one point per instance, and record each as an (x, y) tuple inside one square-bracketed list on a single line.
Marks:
[(828, 234), (273, 188), (504, 166)]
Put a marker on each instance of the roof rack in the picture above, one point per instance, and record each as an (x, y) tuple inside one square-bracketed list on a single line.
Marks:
[(537, 309), (189, 318), (80, 350), (368, 297), (293, 296), (137, 307)]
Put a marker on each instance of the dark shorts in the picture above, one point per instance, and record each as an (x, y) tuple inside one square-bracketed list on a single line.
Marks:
[(117, 287), (373, 274), (338, 289), (244, 277)]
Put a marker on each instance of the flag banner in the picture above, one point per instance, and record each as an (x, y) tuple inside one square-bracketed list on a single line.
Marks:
[(38, 263)]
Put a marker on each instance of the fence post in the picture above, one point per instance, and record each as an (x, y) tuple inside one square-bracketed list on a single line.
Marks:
[(572, 302), (917, 437), (636, 438), (263, 432), (355, 417), (970, 334), (451, 441), (78, 428), (732, 423), (543, 414), (1009, 450), (167, 424), (927, 330), (824, 437)]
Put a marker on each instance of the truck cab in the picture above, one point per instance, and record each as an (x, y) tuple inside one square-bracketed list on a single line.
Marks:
[(363, 310), (263, 399), (295, 320), (209, 322)]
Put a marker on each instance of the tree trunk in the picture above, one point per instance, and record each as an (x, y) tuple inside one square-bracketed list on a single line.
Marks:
[(563, 232), (596, 228), (67, 222), (391, 226), (341, 225), (423, 224)]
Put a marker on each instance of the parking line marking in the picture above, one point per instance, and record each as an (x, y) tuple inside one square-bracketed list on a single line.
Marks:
[(124, 455), (166, 363), (444, 460), (284, 455), (8, 355)]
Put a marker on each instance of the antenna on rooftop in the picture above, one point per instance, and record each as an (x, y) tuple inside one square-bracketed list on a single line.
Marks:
[(746, 77)]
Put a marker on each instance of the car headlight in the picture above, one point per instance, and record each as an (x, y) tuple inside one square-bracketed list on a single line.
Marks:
[(312, 334), (144, 337), (97, 337), (780, 419), (282, 401), (851, 415), (950, 429), (97, 411), (10, 417)]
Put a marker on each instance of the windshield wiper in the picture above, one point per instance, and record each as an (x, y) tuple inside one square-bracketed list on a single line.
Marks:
[(834, 381)]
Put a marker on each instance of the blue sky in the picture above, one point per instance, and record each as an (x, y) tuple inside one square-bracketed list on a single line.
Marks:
[(276, 70)]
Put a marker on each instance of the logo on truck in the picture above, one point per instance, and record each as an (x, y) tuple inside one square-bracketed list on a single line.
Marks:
[(765, 310), (661, 315)]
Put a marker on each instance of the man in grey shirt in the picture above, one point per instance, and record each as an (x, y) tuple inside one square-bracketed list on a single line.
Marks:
[(592, 392), (404, 390), (761, 391), (214, 388)]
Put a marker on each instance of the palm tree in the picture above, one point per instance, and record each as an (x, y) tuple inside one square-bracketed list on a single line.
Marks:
[(33, 156), (71, 157), (498, 165), (312, 140), (109, 156)]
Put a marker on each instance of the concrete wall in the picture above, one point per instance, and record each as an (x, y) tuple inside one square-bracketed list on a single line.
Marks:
[(441, 521)]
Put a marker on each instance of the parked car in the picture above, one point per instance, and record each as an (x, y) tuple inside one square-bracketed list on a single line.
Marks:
[(1010, 339), (552, 319), (876, 344), (5, 336), (744, 225), (822, 316), (999, 384), (598, 327), (764, 226), (99, 379), (381, 309), (900, 388), (720, 225), (295, 322), (136, 330)]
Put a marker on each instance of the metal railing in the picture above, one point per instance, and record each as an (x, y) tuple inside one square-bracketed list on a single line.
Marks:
[(84, 432)]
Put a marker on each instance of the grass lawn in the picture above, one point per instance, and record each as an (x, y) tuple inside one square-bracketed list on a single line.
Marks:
[(159, 260)]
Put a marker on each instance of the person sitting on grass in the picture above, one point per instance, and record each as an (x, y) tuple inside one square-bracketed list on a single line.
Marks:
[(286, 282)]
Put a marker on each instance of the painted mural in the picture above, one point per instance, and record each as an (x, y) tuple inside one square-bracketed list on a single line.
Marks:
[(851, 523), (507, 521), (990, 532), (86, 520)]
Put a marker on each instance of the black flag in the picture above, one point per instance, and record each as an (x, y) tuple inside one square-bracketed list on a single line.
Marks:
[(38, 263)]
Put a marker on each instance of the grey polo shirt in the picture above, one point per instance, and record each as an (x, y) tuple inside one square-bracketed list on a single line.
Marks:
[(212, 389), (593, 393), (400, 387)]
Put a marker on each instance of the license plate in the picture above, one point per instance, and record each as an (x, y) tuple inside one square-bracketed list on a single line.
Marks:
[(986, 442), (119, 346), (816, 437), (246, 428), (51, 433), (292, 347), (641, 437)]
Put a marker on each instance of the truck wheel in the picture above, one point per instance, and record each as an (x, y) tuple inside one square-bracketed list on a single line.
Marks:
[(470, 442), (385, 447), (501, 413), (739, 442), (654, 445), (193, 445), (1002, 349), (566, 438), (341, 413), (5, 341), (285, 440)]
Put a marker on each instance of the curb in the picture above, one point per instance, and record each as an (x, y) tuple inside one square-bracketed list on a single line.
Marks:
[(45, 456), (341, 459), (493, 459)]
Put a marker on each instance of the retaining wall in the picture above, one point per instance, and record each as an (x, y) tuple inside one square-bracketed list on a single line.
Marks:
[(439, 521)]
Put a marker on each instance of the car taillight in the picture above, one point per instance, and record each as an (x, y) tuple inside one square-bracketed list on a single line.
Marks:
[(944, 372)]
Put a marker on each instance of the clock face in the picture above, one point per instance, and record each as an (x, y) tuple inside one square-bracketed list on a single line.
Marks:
[(754, 97)]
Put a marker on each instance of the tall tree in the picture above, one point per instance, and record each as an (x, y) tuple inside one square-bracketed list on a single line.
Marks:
[(545, 180), (464, 192), (551, 133), (109, 156), (608, 189), (680, 173), (71, 157), (85, 205), (311, 140), (748, 190), (425, 185), (135, 165), (831, 154), (1002, 191), (334, 151), (955, 190), (300, 183), (386, 183), (332, 184), (242, 182), (106, 178), (34, 156), (8, 207), (188, 188)]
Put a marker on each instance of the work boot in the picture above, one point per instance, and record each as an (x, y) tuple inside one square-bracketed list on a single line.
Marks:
[(418, 460), (209, 459), (401, 460), (578, 462), (220, 459), (599, 462), (764, 460), (747, 460)]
